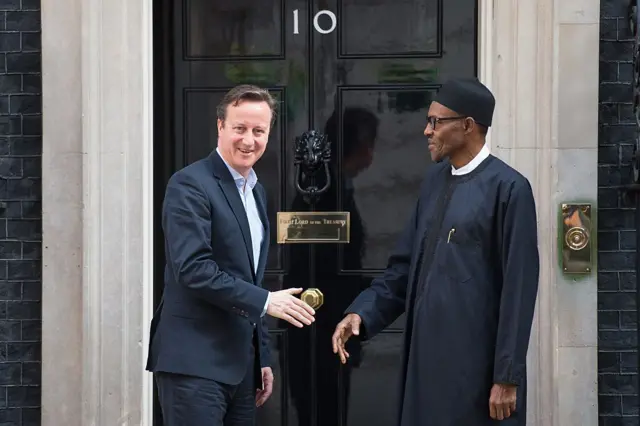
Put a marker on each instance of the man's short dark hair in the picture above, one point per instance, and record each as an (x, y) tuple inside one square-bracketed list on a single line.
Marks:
[(246, 92)]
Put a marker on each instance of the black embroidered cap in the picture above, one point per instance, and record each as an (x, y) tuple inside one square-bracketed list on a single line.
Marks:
[(468, 97)]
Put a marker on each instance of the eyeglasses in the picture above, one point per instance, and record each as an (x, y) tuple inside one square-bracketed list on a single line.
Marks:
[(433, 120)]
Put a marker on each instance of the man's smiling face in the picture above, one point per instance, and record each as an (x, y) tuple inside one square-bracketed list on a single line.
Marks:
[(244, 133)]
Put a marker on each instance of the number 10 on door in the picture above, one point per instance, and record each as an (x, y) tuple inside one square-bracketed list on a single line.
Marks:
[(316, 24)]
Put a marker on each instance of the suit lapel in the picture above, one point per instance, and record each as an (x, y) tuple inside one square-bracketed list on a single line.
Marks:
[(230, 191), (264, 248), (233, 198)]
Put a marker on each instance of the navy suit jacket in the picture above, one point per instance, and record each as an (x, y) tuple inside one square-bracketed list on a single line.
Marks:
[(213, 300)]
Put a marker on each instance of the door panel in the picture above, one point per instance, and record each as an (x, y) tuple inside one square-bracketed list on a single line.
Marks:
[(367, 85)]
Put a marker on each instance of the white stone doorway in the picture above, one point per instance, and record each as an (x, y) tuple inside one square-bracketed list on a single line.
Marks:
[(540, 59)]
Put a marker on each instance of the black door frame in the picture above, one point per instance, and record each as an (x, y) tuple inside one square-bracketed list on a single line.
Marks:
[(163, 131)]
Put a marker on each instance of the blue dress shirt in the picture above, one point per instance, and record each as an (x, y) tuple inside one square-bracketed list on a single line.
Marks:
[(245, 189)]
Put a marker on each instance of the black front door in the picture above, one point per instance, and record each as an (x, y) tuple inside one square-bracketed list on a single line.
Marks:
[(361, 72)]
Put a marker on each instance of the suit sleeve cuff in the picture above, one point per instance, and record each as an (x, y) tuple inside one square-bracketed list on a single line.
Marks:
[(266, 305)]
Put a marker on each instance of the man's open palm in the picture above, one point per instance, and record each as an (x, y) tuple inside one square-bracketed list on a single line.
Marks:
[(346, 328)]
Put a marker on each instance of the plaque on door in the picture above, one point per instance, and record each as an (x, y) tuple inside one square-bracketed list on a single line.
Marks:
[(313, 178)]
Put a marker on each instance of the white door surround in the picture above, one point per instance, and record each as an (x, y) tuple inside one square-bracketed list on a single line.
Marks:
[(539, 57)]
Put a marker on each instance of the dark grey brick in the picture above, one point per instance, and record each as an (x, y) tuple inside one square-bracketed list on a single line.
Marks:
[(25, 145), (24, 229), (613, 9), (10, 125), (617, 261), (629, 320), (609, 240), (32, 167), (625, 72), (623, 384), (608, 281), (608, 198), (630, 405), (10, 250), (10, 42), (30, 4), (31, 250), (23, 21), (31, 83), (31, 372), (608, 113), (31, 42), (9, 4), (10, 84), (24, 270), (23, 396), (10, 330), (607, 176), (609, 71), (616, 340), (625, 114), (609, 92), (629, 362), (23, 351), (626, 153), (23, 62), (616, 135), (25, 104), (10, 417), (10, 290), (610, 404), (609, 155), (614, 219), (627, 240), (31, 330), (10, 168), (26, 189), (31, 209), (616, 51), (31, 310), (608, 320), (609, 29), (616, 301), (609, 362), (31, 125)]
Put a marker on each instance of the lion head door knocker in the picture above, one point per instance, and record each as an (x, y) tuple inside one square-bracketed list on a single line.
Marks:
[(311, 158)]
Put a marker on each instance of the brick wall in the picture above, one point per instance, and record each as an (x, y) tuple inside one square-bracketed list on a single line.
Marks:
[(20, 218), (617, 359), (20, 212)]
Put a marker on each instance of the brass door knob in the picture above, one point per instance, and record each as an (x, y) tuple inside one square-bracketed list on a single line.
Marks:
[(312, 297)]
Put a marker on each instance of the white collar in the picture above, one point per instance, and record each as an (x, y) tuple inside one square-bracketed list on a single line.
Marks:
[(471, 165)]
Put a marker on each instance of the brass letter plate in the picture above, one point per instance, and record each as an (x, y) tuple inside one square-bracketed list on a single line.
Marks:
[(575, 244), (313, 227)]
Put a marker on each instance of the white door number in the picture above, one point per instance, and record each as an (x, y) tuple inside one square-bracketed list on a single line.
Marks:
[(316, 24)]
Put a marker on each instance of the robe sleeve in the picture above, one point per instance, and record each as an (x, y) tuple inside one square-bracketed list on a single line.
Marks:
[(385, 300), (520, 272)]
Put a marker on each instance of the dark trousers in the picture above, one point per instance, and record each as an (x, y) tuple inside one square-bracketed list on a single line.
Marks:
[(194, 401)]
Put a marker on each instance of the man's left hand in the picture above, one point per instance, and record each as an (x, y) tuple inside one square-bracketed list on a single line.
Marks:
[(267, 387), (502, 401)]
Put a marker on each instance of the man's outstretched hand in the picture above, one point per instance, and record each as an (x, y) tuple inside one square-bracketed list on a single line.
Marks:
[(346, 328), (284, 305)]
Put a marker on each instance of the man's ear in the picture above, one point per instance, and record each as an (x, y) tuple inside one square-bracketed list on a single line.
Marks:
[(220, 124), (469, 125)]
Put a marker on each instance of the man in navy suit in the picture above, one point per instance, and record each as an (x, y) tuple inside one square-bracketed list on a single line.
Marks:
[(209, 343)]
